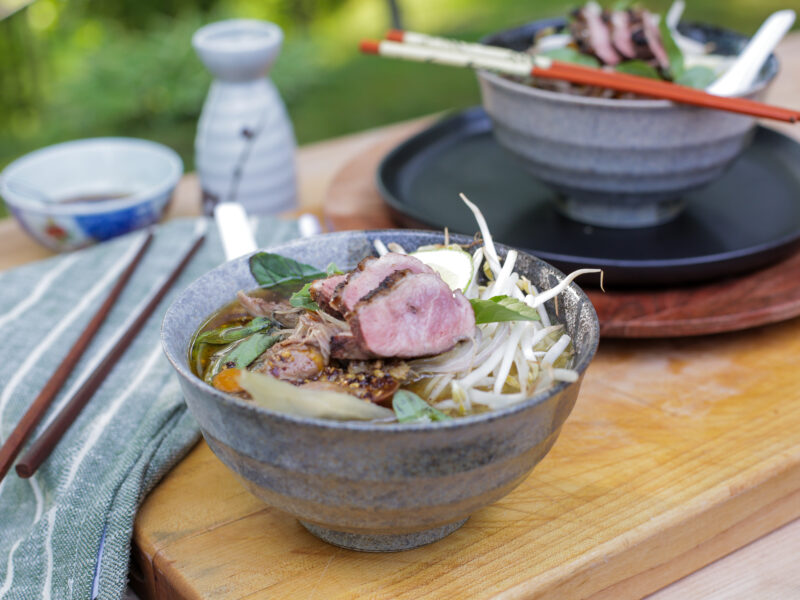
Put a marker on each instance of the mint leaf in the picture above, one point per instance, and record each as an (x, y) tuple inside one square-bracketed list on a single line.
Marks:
[(240, 353), (226, 335), (571, 55), (674, 53), (274, 270), (249, 349), (332, 269), (302, 298), (637, 67), (410, 408), (502, 308), (699, 77)]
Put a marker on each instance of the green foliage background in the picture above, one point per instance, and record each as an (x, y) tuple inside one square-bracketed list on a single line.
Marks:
[(81, 68)]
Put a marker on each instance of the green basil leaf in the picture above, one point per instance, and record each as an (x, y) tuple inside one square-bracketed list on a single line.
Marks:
[(571, 55), (638, 67), (273, 270), (699, 77), (332, 269), (241, 353), (250, 349), (226, 335), (502, 308), (410, 408), (674, 53), (302, 298)]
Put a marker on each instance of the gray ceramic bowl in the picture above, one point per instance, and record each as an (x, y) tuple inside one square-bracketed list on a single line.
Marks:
[(617, 163), (365, 486)]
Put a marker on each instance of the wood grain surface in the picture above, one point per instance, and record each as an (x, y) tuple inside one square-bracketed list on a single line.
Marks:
[(677, 453)]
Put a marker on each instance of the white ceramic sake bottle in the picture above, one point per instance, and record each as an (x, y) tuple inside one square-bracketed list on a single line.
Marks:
[(244, 149)]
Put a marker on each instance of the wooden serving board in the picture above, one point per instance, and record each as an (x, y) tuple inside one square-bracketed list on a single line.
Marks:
[(769, 295), (677, 453)]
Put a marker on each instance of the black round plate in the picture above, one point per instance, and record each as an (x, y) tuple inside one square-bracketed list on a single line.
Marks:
[(746, 219)]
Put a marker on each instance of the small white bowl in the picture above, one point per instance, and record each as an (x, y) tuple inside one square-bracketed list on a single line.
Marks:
[(74, 194)]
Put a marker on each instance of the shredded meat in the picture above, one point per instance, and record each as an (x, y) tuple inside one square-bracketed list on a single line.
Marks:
[(258, 307), (279, 310)]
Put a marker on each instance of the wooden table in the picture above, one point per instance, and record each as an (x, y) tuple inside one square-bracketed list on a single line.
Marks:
[(200, 535)]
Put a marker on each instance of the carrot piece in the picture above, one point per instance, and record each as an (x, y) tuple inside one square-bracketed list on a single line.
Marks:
[(227, 380)]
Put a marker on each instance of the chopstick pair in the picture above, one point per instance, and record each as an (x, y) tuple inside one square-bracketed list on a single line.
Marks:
[(424, 48), (43, 446)]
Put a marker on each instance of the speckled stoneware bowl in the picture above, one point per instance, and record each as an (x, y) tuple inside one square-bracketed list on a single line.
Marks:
[(367, 486), (617, 163)]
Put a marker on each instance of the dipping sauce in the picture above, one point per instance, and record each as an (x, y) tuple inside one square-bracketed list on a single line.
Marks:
[(94, 197)]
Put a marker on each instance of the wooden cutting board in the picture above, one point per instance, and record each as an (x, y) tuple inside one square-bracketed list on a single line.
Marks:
[(677, 453)]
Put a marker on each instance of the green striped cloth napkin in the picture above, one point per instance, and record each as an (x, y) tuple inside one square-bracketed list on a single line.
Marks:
[(133, 431)]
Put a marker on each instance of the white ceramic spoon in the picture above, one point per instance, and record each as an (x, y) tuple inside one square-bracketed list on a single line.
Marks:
[(686, 44), (743, 72), (237, 234)]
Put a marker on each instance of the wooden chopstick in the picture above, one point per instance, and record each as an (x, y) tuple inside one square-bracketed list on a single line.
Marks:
[(422, 48), (44, 445), (34, 414)]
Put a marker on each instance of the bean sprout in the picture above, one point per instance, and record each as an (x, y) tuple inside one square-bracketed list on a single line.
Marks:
[(518, 357)]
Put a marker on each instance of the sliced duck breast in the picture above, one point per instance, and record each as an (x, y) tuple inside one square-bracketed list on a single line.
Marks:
[(621, 33), (599, 36), (368, 276), (322, 291), (411, 315), (654, 41)]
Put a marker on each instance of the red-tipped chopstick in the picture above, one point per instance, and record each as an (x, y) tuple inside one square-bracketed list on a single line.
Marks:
[(37, 410), (44, 445), (422, 48)]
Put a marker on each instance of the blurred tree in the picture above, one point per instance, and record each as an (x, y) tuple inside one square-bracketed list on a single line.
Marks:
[(303, 12), (139, 14)]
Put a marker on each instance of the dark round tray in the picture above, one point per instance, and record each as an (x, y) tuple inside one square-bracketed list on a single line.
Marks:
[(748, 218)]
